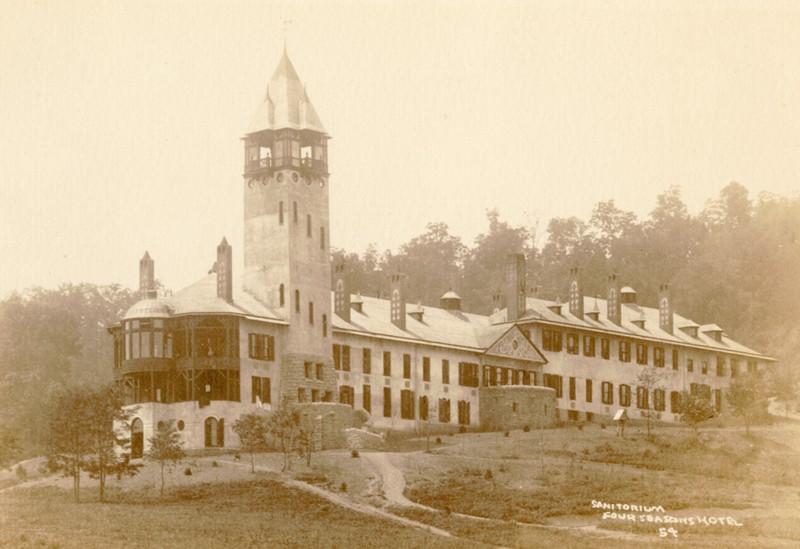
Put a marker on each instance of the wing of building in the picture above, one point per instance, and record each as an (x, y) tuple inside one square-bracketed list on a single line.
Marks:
[(275, 334)]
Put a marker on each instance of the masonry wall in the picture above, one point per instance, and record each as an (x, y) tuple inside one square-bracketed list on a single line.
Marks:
[(517, 406)]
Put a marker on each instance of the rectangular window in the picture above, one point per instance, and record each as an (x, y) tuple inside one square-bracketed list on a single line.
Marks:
[(445, 371), (659, 400), (624, 351), (624, 395), (608, 392), (690, 365), (588, 345), (309, 370), (322, 238), (444, 410), (337, 356), (406, 366), (463, 412), (366, 360), (387, 402), (572, 344), (514, 377), (319, 370), (260, 388), (426, 368), (406, 404), (704, 367), (554, 382), (589, 390), (366, 398), (658, 356), (467, 374), (314, 395), (551, 340), (752, 366), (605, 348), (423, 408), (301, 394), (720, 366), (387, 363), (346, 358), (734, 367), (261, 346), (642, 398), (674, 359), (572, 388), (526, 377), (641, 353), (346, 395), (311, 312), (503, 376), (675, 402)]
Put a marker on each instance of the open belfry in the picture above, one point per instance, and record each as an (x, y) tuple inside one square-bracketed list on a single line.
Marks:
[(275, 333)]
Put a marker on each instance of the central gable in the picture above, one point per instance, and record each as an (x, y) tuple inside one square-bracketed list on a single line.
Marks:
[(514, 344)]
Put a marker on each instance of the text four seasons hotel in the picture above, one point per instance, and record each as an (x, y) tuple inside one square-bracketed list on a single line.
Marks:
[(273, 332)]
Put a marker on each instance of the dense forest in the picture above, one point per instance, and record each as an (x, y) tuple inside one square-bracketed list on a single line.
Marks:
[(735, 264)]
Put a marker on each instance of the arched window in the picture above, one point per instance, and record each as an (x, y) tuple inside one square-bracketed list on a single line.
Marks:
[(308, 225), (324, 325), (212, 432), (297, 301), (281, 296), (311, 312), (294, 213), (280, 213), (137, 438)]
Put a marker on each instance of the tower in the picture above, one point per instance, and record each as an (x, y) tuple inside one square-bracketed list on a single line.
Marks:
[(286, 256)]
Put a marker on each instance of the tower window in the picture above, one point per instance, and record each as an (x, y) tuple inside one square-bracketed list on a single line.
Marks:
[(294, 211), (324, 325), (280, 213), (322, 238), (308, 225), (297, 301), (311, 312), (281, 297)]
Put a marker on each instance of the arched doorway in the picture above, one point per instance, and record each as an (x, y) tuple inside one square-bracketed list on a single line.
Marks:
[(215, 433), (137, 438)]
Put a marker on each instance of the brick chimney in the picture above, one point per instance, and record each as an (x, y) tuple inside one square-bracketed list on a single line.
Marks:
[(398, 304), (515, 287), (147, 279), (575, 293), (614, 305), (665, 308), (341, 290), (224, 268)]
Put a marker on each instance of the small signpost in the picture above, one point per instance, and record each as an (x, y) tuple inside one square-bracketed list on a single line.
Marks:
[(621, 417)]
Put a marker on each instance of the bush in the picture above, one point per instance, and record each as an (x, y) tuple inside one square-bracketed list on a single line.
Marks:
[(187, 471), (354, 453), (214, 464), (506, 434), (462, 429), (22, 474), (602, 424), (488, 475), (343, 487), (526, 429), (438, 440), (580, 427)]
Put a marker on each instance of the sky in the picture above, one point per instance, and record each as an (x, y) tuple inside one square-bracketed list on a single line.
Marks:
[(120, 122)]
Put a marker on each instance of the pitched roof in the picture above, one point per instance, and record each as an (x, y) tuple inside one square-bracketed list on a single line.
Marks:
[(286, 103)]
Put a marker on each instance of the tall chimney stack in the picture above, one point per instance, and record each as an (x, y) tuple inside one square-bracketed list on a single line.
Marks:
[(398, 304), (575, 293), (341, 290), (225, 271), (147, 280), (665, 313), (614, 305), (515, 287)]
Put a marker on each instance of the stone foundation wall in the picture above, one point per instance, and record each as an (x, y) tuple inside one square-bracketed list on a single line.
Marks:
[(515, 406), (361, 439), (327, 421), (293, 377)]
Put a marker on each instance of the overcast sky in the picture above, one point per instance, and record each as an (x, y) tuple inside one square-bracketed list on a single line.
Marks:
[(121, 120)]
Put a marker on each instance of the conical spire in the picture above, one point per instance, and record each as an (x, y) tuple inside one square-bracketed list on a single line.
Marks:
[(286, 103)]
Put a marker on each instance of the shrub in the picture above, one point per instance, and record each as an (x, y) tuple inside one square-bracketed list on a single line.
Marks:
[(22, 474), (354, 453), (438, 440), (187, 471), (343, 487), (602, 424), (526, 429), (214, 463), (462, 429), (505, 434), (580, 427), (488, 475)]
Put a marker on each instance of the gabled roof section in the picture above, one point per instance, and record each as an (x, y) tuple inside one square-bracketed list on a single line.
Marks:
[(286, 103), (514, 344)]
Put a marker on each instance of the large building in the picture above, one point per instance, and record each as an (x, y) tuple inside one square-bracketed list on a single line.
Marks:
[(275, 334)]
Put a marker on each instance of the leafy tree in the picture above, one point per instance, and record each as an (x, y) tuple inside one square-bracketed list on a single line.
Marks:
[(305, 443), (166, 448), (650, 378), (695, 409), (283, 425), (746, 396), (783, 382), (87, 427), (252, 429)]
